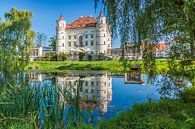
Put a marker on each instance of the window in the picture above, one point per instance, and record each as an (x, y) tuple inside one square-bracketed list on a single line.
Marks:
[(86, 43), (86, 90), (86, 83), (62, 37), (92, 90), (92, 36), (101, 21), (86, 36), (75, 43), (92, 83), (104, 35), (69, 44), (91, 43), (75, 37), (104, 42), (63, 44), (81, 44), (69, 37)]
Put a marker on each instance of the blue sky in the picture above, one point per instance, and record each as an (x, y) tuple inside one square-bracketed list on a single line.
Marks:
[(46, 12)]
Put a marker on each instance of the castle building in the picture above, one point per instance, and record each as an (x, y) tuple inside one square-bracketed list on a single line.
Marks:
[(85, 34)]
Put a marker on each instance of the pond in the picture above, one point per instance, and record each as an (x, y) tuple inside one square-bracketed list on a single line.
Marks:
[(92, 96)]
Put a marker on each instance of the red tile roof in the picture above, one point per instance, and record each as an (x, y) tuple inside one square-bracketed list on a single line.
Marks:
[(159, 47), (83, 22)]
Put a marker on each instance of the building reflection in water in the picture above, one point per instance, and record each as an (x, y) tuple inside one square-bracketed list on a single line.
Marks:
[(94, 90)]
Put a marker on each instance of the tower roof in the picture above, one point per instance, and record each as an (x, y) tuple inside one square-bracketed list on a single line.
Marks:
[(60, 18), (101, 15)]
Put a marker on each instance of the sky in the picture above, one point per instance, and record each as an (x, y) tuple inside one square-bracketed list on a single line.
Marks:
[(46, 12)]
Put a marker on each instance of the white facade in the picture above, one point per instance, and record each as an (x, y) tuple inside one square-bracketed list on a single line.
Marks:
[(84, 34), (36, 52), (97, 88)]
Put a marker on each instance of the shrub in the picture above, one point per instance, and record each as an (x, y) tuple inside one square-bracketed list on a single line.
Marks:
[(188, 95), (81, 56)]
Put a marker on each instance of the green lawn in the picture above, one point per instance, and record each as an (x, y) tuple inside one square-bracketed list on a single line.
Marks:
[(113, 66)]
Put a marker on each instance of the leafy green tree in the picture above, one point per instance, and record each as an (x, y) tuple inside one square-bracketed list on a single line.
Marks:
[(81, 56), (138, 20), (53, 42), (151, 21), (16, 37), (40, 39)]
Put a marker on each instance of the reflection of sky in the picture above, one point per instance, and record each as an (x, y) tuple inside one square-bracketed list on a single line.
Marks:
[(126, 95)]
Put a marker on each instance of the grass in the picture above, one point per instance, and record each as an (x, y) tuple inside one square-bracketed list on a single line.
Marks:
[(112, 66)]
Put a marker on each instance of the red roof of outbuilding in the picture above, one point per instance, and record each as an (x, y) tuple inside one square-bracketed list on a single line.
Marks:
[(83, 22)]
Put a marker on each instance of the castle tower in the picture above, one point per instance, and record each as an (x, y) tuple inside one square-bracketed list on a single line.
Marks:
[(104, 94), (103, 34), (60, 35)]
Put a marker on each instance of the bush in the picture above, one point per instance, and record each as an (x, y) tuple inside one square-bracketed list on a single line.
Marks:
[(188, 95), (81, 56), (89, 57)]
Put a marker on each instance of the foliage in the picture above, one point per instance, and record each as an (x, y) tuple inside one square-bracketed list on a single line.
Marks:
[(165, 114), (148, 22), (53, 42), (16, 38), (89, 57), (63, 56), (153, 20), (40, 39), (81, 56), (188, 95)]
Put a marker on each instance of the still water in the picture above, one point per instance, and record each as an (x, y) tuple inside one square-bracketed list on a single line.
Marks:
[(99, 95)]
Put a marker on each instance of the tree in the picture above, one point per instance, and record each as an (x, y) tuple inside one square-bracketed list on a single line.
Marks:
[(155, 20), (151, 21), (16, 37), (53, 42), (81, 56), (40, 39)]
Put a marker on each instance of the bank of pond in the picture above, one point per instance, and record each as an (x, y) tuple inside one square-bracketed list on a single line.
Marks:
[(95, 99)]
